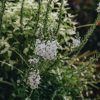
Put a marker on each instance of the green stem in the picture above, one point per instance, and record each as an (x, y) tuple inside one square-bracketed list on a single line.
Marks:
[(87, 25), (2, 13), (30, 93), (37, 17), (20, 56), (11, 66), (46, 17), (60, 16), (21, 16), (87, 36), (5, 82)]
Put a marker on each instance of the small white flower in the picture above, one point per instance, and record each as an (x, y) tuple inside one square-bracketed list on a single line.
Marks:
[(76, 42), (33, 61), (46, 49), (27, 98), (18, 81), (98, 8), (71, 31), (33, 79)]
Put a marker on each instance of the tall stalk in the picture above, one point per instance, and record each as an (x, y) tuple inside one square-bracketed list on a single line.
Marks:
[(2, 13), (60, 17), (85, 40), (21, 16), (46, 17), (87, 36), (37, 16)]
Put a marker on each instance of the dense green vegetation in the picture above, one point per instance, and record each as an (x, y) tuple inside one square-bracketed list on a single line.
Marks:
[(40, 52)]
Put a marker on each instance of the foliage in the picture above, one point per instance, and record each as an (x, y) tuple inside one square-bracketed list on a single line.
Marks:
[(24, 73)]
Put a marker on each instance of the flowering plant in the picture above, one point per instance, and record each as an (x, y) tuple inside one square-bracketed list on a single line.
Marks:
[(37, 42)]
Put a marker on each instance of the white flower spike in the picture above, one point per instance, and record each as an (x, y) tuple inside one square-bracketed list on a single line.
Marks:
[(98, 8), (46, 49), (33, 79)]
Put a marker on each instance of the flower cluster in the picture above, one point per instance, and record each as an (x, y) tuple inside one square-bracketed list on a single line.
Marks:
[(76, 42), (33, 79), (33, 61), (46, 49), (98, 8), (71, 31)]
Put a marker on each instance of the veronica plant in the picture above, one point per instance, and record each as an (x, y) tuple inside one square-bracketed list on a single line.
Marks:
[(34, 35)]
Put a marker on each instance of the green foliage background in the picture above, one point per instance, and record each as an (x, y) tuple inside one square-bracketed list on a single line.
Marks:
[(67, 77)]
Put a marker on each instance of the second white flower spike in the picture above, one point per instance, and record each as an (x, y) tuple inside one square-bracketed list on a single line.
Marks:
[(46, 49)]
